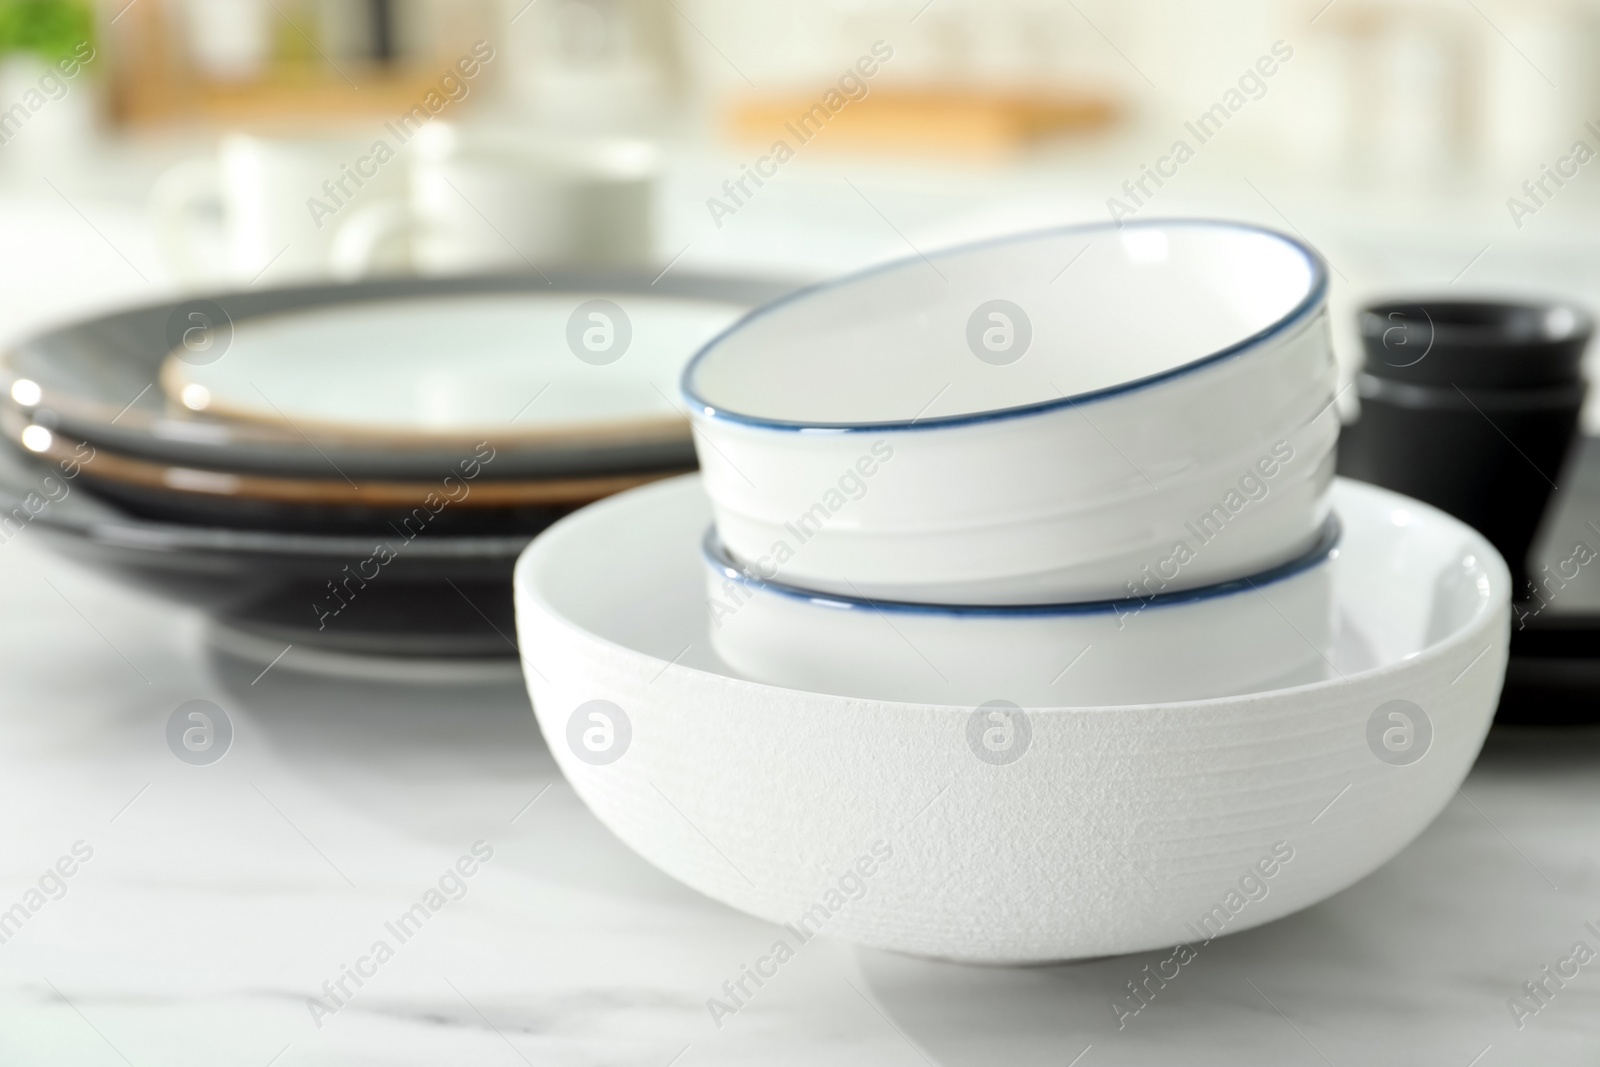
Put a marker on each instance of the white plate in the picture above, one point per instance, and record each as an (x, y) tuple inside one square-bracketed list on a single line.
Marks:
[(453, 365), (1051, 834)]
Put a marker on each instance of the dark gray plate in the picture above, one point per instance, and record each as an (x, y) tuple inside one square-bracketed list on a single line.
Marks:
[(99, 382), (439, 595)]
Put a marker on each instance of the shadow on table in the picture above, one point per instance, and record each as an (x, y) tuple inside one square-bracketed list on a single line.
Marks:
[(446, 759), (963, 1015), (1412, 964), (371, 714)]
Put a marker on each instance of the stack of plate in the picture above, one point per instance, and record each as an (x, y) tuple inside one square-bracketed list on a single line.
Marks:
[(353, 467)]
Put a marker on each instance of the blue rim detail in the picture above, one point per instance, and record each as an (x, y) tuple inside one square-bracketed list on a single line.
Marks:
[(1308, 306), (722, 563)]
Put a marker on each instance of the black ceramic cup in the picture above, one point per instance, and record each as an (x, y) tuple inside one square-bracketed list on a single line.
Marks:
[(1470, 406)]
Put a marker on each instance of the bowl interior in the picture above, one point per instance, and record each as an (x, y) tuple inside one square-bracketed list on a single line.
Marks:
[(1475, 343), (1008, 324), (1408, 576), (1480, 322)]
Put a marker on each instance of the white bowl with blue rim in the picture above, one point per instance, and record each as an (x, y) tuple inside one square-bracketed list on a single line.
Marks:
[(1269, 630), (1037, 419)]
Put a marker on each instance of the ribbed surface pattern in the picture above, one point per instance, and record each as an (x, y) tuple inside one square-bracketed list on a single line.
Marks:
[(1118, 830)]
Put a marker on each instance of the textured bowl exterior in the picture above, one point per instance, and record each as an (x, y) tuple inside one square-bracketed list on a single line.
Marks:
[(1118, 830)]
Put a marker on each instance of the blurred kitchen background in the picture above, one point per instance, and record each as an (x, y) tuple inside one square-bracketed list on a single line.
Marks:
[(152, 146)]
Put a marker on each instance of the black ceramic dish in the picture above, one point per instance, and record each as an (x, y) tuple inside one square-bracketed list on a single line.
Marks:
[(1471, 407), (97, 382), (427, 595), (1554, 674)]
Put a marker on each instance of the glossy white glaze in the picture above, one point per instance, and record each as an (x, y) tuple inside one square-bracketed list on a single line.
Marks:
[(886, 458), (455, 364)]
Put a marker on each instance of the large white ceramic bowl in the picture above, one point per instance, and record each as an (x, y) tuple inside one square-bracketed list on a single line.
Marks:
[(1150, 385), (1265, 631), (1117, 829)]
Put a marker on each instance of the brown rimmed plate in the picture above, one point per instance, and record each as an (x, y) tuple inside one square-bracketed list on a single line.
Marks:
[(460, 499), (566, 375)]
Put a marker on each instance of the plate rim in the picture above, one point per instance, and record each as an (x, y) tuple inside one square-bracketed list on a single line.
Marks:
[(125, 340), (1304, 313)]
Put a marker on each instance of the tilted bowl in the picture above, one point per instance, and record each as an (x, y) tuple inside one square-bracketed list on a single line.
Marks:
[(1030, 420)]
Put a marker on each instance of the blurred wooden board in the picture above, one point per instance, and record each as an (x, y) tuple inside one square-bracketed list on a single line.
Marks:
[(944, 120), (153, 81), (381, 93)]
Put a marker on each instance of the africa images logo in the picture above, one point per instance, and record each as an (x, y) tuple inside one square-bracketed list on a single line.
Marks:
[(999, 332), (599, 732)]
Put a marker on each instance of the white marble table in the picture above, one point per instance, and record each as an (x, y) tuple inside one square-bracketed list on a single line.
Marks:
[(219, 898)]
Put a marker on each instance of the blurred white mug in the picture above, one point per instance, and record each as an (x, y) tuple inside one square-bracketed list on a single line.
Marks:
[(268, 207), (508, 200)]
